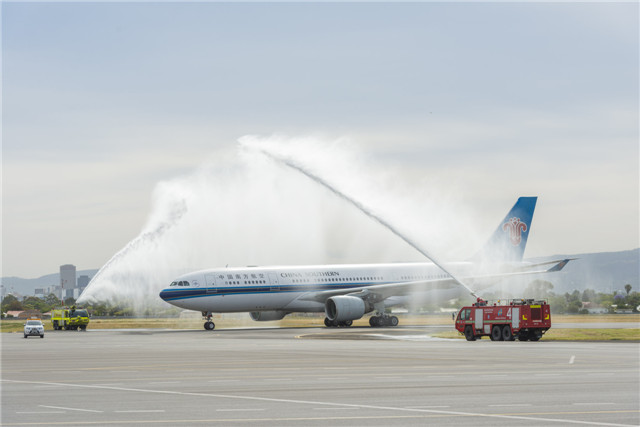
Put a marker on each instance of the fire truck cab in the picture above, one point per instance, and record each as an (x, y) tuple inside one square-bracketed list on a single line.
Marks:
[(524, 319)]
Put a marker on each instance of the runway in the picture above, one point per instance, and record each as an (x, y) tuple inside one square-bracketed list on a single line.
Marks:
[(351, 376)]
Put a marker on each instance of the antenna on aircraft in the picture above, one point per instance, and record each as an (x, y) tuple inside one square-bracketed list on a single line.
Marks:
[(360, 206)]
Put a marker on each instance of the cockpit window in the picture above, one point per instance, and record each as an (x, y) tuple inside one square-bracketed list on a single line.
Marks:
[(181, 283)]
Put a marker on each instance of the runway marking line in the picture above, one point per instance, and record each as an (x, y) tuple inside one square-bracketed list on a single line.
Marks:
[(526, 417), (428, 407), (70, 409), (136, 411)]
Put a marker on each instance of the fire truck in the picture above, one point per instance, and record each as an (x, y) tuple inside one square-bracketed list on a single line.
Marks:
[(69, 318), (524, 319)]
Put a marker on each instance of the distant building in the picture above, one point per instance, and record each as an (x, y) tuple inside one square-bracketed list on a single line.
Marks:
[(594, 308), (83, 282), (68, 278)]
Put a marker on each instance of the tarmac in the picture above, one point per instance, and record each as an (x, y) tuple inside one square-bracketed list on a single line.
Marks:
[(314, 376)]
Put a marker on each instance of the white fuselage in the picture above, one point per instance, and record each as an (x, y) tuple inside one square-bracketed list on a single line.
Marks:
[(229, 290)]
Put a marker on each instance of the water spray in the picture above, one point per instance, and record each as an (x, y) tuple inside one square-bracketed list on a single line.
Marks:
[(297, 167), (150, 236)]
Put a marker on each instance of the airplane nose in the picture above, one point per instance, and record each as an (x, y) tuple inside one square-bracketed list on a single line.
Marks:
[(164, 294)]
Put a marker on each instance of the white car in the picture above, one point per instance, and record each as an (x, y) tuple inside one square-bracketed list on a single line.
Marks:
[(33, 327)]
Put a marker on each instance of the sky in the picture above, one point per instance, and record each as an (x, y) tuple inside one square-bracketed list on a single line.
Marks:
[(104, 105)]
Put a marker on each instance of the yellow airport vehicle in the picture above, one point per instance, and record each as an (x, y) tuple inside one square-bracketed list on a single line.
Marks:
[(69, 318)]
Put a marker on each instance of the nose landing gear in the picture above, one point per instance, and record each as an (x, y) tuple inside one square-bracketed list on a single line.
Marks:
[(208, 325)]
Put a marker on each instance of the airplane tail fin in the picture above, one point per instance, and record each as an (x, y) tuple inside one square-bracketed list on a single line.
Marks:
[(508, 242)]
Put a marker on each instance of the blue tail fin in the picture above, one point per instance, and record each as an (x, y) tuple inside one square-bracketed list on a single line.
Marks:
[(507, 243)]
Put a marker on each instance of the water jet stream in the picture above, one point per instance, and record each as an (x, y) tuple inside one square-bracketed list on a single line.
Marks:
[(175, 215), (359, 206)]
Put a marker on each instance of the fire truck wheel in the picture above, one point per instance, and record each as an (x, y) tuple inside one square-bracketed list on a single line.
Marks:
[(523, 336), (507, 335), (496, 333), (468, 334)]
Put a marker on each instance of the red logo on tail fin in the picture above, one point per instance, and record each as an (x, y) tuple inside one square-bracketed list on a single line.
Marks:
[(514, 227)]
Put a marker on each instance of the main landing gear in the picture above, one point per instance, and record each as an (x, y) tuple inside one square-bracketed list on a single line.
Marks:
[(208, 325), (383, 320), (335, 324)]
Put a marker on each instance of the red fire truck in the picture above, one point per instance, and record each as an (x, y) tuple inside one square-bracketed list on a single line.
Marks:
[(526, 320)]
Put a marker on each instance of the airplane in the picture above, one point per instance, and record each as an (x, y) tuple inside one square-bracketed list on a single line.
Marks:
[(347, 292)]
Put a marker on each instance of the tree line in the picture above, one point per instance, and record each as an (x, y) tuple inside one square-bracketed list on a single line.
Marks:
[(567, 303), (573, 302), (106, 309)]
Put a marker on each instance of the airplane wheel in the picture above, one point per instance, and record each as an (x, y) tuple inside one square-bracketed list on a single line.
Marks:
[(393, 321), (209, 326), (327, 322), (496, 333), (374, 321), (348, 323)]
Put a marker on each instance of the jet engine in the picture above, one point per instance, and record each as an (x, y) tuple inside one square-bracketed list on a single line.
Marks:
[(266, 316), (341, 308)]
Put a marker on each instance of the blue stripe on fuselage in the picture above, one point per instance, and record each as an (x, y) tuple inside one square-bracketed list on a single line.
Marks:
[(180, 294)]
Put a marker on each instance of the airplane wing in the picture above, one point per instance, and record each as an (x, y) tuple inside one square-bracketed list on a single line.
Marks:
[(377, 293)]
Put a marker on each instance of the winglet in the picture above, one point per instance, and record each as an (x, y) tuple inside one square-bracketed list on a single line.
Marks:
[(559, 266)]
